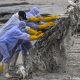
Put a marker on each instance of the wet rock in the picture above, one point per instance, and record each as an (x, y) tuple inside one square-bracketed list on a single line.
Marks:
[(48, 54)]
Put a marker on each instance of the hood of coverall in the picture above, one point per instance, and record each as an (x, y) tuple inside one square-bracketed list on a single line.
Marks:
[(34, 12), (22, 25)]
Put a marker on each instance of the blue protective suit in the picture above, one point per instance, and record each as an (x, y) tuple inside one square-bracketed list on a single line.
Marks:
[(32, 25), (9, 40), (34, 12), (13, 21)]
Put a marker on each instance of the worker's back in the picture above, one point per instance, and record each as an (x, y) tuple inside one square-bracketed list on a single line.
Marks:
[(11, 37), (13, 21)]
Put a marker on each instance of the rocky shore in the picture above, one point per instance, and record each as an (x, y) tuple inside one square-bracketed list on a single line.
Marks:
[(8, 7)]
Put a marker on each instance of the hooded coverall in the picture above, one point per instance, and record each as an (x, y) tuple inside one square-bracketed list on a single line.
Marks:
[(9, 40), (34, 11), (13, 21)]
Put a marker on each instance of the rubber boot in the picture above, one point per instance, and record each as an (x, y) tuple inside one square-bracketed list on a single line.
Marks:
[(1, 68), (12, 66), (24, 58), (5, 68)]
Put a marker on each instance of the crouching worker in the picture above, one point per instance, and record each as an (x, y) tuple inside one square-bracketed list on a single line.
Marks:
[(9, 40), (25, 46)]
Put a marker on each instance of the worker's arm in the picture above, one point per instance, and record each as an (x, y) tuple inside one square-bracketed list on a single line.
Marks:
[(50, 18), (26, 36), (44, 26), (35, 19), (45, 19), (40, 27), (1, 67), (32, 31), (36, 37)]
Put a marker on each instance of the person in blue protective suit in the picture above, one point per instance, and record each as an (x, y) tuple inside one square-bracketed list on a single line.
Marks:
[(13, 21), (34, 12), (9, 40)]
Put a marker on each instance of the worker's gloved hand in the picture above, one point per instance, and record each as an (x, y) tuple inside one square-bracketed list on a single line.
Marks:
[(39, 32), (36, 37), (50, 18), (1, 68), (50, 24), (44, 26), (35, 19), (40, 35), (45, 19), (32, 31)]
